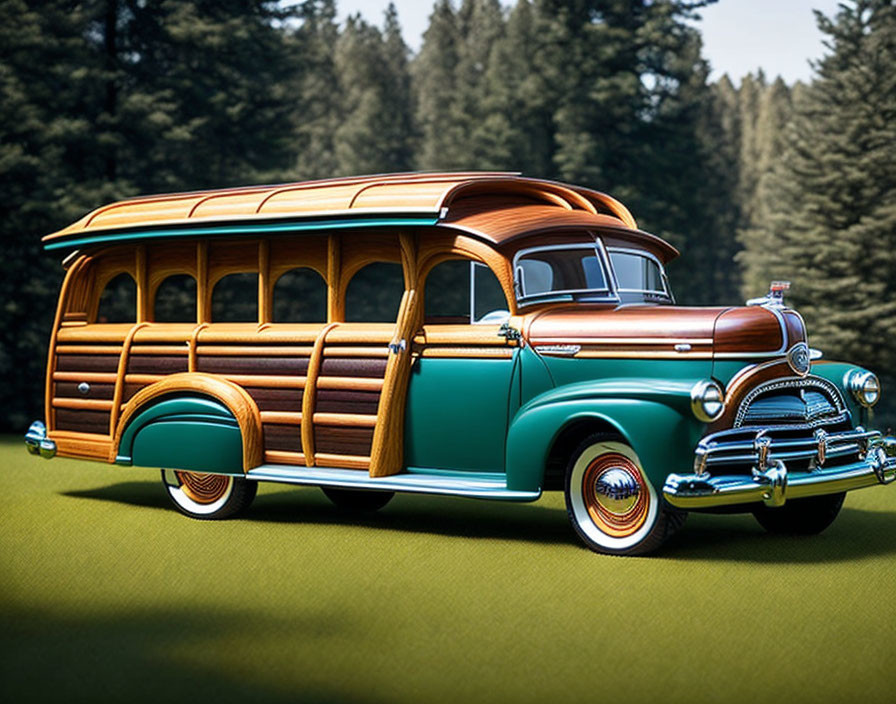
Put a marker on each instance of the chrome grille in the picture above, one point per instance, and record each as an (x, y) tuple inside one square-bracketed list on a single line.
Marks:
[(810, 402), (803, 422)]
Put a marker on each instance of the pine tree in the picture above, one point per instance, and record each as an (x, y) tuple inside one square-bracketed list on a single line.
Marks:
[(515, 130), (317, 101), (831, 202), (374, 131), (441, 137)]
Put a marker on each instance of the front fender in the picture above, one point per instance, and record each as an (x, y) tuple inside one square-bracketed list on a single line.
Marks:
[(653, 415)]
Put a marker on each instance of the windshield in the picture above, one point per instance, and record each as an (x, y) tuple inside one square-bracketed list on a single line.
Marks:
[(560, 271)]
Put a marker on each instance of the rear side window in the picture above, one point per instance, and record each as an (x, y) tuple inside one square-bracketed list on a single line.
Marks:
[(374, 294), (300, 296), (176, 300), (118, 301), (452, 285), (235, 299)]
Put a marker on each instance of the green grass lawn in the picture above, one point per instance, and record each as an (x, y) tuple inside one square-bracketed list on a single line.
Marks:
[(106, 594)]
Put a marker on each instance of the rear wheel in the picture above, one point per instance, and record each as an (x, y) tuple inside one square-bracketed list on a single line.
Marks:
[(208, 496), (807, 516), (611, 503), (357, 499)]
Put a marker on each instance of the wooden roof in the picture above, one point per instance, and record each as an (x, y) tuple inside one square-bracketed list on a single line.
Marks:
[(495, 206)]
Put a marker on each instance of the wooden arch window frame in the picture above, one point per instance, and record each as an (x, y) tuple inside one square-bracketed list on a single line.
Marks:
[(165, 259), (441, 248), (279, 256), (100, 271)]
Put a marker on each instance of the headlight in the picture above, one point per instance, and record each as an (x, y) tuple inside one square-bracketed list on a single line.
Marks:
[(707, 401), (864, 386)]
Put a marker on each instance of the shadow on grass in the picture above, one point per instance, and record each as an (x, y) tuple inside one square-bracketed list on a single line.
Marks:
[(856, 534), (138, 656), (447, 516)]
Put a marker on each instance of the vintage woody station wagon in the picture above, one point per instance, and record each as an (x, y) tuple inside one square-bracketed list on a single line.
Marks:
[(472, 334)]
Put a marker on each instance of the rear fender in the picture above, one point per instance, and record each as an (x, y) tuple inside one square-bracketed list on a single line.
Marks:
[(194, 422)]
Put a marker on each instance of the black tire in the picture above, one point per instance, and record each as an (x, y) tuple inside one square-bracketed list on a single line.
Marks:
[(642, 521), (358, 500), (208, 496), (807, 516)]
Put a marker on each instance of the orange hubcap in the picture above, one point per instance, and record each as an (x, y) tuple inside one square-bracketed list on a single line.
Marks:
[(615, 494), (203, 488)]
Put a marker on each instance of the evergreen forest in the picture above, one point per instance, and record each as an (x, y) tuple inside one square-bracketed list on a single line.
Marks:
[(751, 178)]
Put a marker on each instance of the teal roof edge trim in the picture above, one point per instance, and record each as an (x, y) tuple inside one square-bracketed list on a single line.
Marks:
[(241, 229)]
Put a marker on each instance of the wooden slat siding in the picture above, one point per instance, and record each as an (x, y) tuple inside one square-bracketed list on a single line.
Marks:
[(82, 421), (280, 418), (343, 441), (89, 377), (87, 363), (289, 400), (88, 349), (339, 401), (129, 390), (277, 366), (353, 366), (69, 389), (287, 438), (260, 350), (310, 396), (353, 383), (326, 459), (345, 351), (155, 364), (284, 457)]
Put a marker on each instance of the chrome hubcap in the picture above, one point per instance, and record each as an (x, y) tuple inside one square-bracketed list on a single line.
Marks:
[(616, 491)]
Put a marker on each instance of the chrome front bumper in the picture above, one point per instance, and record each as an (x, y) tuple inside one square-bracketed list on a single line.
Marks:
[(770, 482), (37, 442)]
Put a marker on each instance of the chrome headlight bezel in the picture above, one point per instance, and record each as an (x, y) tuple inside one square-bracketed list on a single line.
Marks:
[(863, 385), (707, 401)]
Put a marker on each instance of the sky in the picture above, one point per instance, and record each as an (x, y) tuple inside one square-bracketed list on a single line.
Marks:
[(739, 36)]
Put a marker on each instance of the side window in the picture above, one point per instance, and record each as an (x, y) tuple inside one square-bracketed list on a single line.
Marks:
[(176, 300), (118, 301), (300, 296), (235, 299), (374, 294), (461, 291)]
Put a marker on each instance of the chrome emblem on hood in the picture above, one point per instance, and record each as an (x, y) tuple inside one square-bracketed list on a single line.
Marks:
[(798, 358)]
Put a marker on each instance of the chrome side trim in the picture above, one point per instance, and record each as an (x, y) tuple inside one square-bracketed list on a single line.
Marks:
[(476, 486)]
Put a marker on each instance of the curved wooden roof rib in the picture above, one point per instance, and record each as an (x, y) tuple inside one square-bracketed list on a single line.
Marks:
[(495, 206)]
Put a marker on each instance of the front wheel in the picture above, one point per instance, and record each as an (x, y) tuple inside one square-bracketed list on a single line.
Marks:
[(807, 516), (611, 503), (208, 496)]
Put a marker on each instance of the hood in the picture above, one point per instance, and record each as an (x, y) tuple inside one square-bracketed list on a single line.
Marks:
[(645, 330)]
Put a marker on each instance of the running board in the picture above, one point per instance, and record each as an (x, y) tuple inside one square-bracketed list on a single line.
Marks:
[(476, 486)]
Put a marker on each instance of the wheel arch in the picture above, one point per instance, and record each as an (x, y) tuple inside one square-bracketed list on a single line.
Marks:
[(216, 408), (661, 435)]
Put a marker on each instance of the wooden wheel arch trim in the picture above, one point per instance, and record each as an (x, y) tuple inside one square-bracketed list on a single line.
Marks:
[(231, 395)]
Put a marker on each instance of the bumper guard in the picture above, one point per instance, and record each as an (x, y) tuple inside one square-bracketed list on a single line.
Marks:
[(770, 482), (37, 442)]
